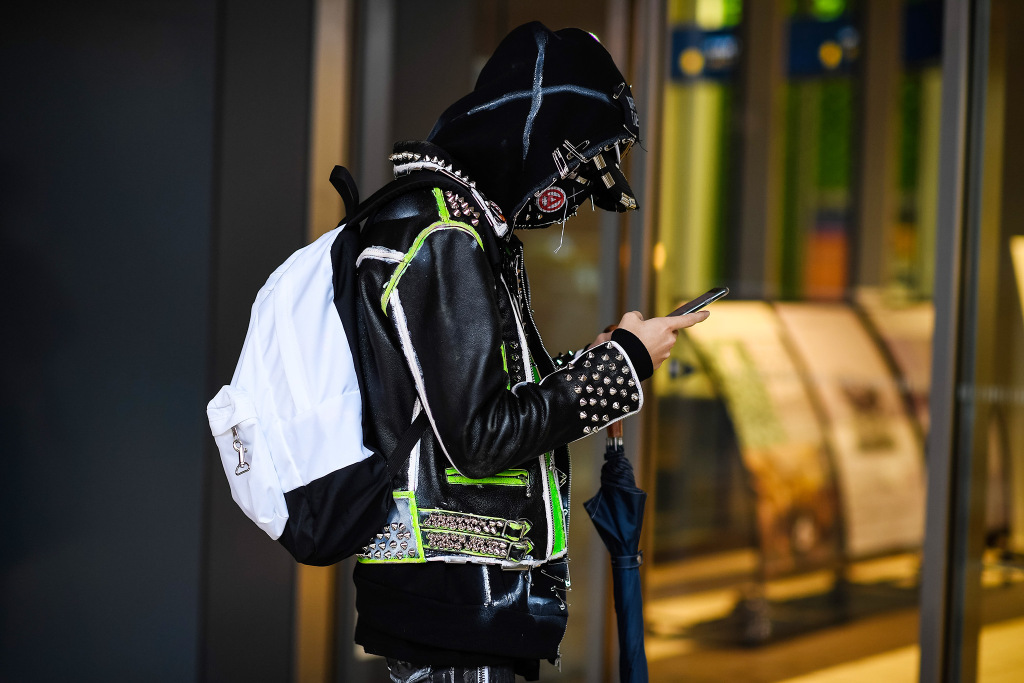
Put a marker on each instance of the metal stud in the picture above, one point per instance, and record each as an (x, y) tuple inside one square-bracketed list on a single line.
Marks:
[(604, 357), (583, 415), (577, 388)]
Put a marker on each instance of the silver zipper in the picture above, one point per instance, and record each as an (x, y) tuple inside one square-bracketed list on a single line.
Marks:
[(521, 267)]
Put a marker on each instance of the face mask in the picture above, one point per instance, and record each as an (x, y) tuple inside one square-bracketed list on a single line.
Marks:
[(598, 178)]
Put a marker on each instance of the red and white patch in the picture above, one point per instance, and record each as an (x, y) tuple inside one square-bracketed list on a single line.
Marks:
[(551, 199)]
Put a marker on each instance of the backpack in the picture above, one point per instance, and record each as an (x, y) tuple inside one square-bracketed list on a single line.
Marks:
[(289, 426)]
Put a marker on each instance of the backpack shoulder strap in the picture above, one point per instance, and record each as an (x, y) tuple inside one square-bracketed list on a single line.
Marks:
[(406, 442), (343, 255)]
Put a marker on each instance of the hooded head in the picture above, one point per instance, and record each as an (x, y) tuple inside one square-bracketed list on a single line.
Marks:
[(545, 127)]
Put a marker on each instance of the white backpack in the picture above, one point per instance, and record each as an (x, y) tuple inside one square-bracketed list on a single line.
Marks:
[(289, 427)]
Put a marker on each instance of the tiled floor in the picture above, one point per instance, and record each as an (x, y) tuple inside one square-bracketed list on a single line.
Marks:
[(1001, 660), (879, 647)]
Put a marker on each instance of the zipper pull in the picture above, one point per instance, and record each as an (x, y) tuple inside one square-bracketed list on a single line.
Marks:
[(243, 466), (559, 475)]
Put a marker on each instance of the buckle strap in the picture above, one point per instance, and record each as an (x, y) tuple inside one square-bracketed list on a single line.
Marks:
[(628, 561), (476, 545), (449, 520)]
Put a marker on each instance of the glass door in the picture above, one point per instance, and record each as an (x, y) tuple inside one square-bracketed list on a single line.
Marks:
[(799, 165), (984, 559)]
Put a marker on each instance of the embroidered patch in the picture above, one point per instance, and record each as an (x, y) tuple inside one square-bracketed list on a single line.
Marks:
[(551, 199)]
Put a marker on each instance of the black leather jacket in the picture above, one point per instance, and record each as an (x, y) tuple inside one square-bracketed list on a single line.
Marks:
[(447, 328), (471, 566)]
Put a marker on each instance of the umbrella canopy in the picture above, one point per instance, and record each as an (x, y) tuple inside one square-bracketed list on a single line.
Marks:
[(618, 511)]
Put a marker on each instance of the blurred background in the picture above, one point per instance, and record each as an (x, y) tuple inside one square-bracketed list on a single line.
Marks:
[(835, 460)]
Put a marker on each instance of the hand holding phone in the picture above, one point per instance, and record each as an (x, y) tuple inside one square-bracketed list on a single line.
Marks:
[(701, 301)]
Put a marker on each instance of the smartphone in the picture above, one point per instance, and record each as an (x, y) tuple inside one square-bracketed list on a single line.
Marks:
[(701, 301)]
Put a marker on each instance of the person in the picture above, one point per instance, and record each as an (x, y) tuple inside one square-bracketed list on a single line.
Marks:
[(468, 579)]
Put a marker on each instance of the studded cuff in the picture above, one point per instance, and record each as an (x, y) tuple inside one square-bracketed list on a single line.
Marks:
[(636, 351), (606, 386)]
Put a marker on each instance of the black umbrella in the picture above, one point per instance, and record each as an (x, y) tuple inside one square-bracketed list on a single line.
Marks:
[(618, 513)]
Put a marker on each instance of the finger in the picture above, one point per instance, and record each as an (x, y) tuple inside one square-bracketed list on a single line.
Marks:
[(690, 319)]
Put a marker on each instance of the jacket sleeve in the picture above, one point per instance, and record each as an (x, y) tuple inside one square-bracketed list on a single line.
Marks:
[(442, 302)]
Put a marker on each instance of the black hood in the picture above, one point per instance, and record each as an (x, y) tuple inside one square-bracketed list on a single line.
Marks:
[(544, 127)]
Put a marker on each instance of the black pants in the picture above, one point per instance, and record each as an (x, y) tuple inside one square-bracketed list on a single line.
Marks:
[(404, 672)]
